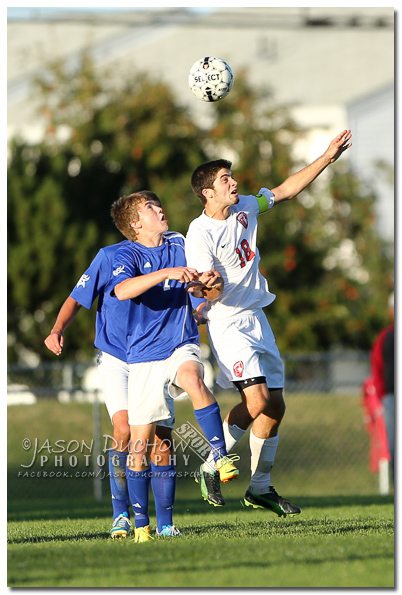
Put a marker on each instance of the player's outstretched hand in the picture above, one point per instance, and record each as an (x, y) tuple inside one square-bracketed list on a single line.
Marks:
[(182, 274), (339, 145), (55, 341)]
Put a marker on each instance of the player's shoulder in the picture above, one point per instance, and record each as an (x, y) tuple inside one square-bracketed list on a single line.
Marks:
[(199, 223), (260, 202), (245, 200), (110, 251), (170, 236)]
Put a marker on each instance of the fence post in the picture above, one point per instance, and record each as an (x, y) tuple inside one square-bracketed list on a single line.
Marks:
[(68, 379), (383, 476), (97, 448)]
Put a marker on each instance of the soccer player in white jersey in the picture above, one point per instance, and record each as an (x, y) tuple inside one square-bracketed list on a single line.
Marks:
[(162, 340), (110, 340), (223, 237)]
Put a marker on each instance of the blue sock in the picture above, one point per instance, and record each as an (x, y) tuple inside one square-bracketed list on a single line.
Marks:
[(138, 488), (164, 487), (210, 421), (118, 482)]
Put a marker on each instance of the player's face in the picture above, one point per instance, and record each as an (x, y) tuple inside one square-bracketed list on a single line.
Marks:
[(225, 188), (151, 217)]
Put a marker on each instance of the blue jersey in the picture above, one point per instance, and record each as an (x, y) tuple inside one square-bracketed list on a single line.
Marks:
[(111, 315), (160, 320)]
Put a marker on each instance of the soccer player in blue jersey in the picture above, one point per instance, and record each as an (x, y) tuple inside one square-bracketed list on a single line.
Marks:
[(163, 340), (110, 340), (224, 237)]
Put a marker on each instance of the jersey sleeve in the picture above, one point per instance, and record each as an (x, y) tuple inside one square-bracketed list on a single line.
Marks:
[(265, 199), (199, 255), (123, 266), (92, 282)]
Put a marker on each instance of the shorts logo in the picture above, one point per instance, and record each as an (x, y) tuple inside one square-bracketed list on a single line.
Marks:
[(238, 369), (242, 218)]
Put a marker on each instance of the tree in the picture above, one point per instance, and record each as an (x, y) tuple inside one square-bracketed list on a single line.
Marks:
[(321, 253), (61, 190)]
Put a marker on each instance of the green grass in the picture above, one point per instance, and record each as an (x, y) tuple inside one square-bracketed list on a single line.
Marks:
[(344, 538), (336, 542)]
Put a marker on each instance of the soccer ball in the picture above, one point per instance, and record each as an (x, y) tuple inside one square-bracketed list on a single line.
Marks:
[(210, 79)]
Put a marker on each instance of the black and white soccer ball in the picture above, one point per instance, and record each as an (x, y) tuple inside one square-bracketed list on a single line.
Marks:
[(210, 79)]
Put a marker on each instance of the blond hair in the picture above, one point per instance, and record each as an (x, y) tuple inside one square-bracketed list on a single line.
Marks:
[(125, 210)]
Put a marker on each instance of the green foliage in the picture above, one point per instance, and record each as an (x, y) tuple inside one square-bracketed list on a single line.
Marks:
[(60, 191), (330, 268), (320, 253)]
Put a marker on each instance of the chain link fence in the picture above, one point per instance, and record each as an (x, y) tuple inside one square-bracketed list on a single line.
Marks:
[(59, 432)]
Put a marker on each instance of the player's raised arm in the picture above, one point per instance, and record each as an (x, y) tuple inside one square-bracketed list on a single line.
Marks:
[(55, 340), (293, 185)]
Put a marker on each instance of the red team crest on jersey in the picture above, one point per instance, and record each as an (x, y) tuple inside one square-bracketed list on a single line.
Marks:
[(238, 369), (242, 218)]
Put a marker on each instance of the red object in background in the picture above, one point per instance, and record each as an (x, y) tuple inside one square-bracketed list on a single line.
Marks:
[(375, 425)]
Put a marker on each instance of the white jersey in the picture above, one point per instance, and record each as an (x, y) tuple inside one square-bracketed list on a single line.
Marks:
[(230, 247)]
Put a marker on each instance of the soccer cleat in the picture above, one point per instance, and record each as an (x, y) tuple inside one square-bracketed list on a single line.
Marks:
[(142, 534), (210, 485), (169, 531), (271, 501), (227, 471), (121, 526)]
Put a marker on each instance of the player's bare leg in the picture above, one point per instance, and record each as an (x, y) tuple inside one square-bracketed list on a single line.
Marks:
[(190, 377), (141, 443), (260, 407), (121, 430), (161, 452)]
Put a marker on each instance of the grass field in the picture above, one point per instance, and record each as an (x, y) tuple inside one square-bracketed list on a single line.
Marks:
[(338, 543), (58, 536)]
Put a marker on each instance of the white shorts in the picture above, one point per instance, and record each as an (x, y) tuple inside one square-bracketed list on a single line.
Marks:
[(114, 375), (244, 347), (146, 401)]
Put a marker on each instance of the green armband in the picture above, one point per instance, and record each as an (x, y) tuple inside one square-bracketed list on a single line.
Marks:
[(265, 199), (262, 202)]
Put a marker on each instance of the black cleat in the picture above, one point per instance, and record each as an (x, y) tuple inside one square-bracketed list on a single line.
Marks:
[(210, 486), (271, 501)]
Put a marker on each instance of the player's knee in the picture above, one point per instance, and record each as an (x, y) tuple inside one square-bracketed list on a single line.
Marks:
[(121, 435), (276, 407), (192, 382), (260, 404), (258, 400)]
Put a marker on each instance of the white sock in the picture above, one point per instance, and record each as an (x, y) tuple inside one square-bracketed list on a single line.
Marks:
[(263, 452), (233, 435)]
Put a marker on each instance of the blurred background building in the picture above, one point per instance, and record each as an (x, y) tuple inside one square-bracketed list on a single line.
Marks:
[(333, 67)]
